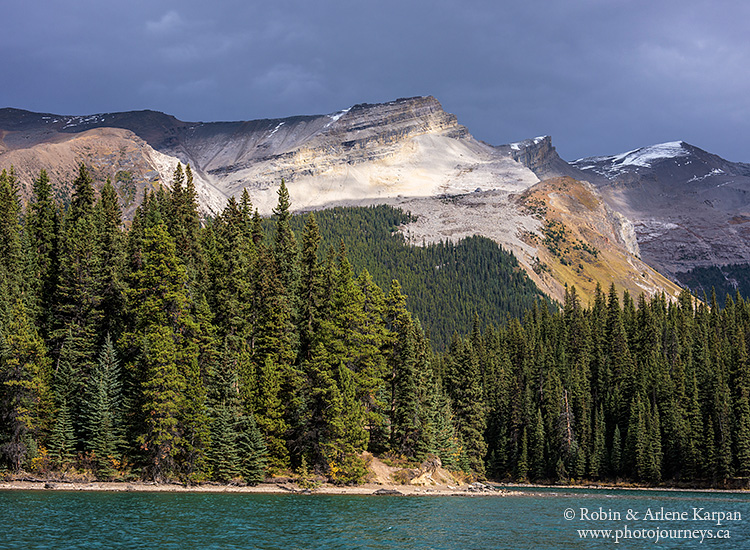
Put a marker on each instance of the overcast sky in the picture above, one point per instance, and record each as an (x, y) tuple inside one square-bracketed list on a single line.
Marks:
[(600, 76)]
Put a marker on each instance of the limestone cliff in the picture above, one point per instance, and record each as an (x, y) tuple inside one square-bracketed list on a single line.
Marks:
[(408, 147)]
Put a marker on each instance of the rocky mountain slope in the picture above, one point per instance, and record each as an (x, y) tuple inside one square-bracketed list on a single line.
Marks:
[(561, 231), (689, 207), (114, 146)]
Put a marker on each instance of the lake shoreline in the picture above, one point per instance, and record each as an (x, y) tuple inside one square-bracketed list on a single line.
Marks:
[(261, 488), (286, 487)]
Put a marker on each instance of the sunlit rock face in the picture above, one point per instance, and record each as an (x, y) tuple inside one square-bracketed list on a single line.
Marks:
[(407, 147)]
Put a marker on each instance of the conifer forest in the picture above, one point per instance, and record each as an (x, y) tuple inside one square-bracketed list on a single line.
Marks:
[(231, 348)]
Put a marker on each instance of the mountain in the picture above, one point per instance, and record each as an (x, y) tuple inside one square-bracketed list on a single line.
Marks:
[(408, 153), (409, 147), (689, 208)]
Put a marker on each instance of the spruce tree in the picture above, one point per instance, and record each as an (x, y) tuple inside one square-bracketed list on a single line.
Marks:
[(111, 246), (310, 288), (615, 459), (225, 411), (162, 360), (269, 415), (403, 374), (162, 391), (78, 313), (637, 440), (251, 450), (321, 401), (654, 462), (103, 420), (469, 407), (522, 463), (285, 249), (446, 443), (348, 437), (537, 464), (273, 343), (41, 237), (62, 438), (722, 468), (742, 420), (223, 454), (183, 221), (598, 453)]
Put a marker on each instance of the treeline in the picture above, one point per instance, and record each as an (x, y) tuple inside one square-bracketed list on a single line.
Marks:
[(657, 391), (446, 284), (194, 351)]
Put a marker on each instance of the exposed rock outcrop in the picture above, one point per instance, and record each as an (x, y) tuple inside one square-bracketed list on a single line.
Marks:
[(583, 241), (540, 156)]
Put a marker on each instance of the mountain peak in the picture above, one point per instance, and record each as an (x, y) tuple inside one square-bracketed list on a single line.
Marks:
[(644, 157)]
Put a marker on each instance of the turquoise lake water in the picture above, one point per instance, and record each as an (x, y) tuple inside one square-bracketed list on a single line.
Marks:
[(93, 520)]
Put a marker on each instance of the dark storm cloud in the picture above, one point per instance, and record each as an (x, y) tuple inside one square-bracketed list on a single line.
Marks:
[(600, 76)]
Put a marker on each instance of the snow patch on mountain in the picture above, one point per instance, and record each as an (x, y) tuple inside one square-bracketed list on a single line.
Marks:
[(645, 157), (71, 122), (517, 146), (714, 172), (279, 125), (336, 116)]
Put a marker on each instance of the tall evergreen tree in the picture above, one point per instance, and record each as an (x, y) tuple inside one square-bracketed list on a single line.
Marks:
[(162, 360), (285, 248), (251, 450), (41, 234), (402, 376), (78, 311), (183, 221), (269, 415), (103, 412), (111, 246), (469, 406), (310, 287)]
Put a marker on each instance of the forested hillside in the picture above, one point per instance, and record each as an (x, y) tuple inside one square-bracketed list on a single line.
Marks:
[(182, 350), (446, 284)]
